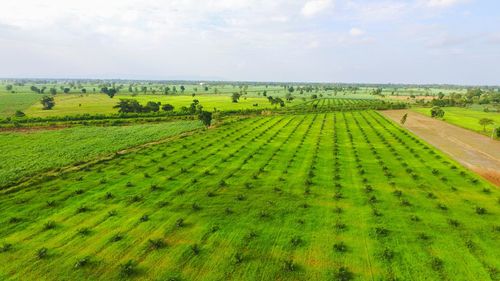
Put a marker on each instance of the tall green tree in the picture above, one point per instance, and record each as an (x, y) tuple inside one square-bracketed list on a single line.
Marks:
[(47, 102), (437, 112), (205, 117), (485, 122)]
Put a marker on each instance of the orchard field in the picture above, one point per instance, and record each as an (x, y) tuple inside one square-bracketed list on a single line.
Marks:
[(322, 196)]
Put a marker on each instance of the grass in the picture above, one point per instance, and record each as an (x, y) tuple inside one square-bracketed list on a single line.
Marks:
[(27, 153), (310, 197), (466, 118), (101, 104), (10, 102)]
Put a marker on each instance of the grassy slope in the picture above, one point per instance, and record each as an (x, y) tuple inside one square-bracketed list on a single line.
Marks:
[(9, 102), (255, 172), (23, 154), (466, 118)]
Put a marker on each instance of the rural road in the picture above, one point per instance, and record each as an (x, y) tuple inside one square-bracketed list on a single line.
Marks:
[(476, 152)]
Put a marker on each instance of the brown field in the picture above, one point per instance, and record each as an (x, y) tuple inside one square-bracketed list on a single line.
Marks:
[(476, 152)]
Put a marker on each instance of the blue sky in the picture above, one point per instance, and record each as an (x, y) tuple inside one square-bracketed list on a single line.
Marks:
[(413, 41)]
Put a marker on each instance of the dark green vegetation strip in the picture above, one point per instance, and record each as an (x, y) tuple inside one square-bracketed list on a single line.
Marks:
[(331, 196), (23, 154), (345, 104)]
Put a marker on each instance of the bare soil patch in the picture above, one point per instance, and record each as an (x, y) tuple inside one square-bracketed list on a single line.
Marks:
[(475, 151)]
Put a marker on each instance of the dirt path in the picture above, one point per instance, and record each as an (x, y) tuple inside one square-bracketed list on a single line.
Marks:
[(476, 152)]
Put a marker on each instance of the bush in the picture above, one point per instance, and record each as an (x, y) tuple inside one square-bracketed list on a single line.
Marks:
[(41, 253), (5, 247), (156, 243), (289, 265), (195, 249), (128, 269), (381, 232), (82, 262), (238, 258), (296, 241), (117, 237), (480, 211), (343, 274), (388, 254), (437, 264), (49, 225), (340, 247)]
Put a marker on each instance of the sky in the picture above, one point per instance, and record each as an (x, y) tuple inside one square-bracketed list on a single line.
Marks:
[(351, 41)]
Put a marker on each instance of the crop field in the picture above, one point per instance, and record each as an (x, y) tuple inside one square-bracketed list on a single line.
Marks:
[(467, 118), (326, 104), (326, 196), (24, 154)]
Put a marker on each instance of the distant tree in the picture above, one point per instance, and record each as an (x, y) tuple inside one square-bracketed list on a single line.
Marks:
[(167, 107), (84, 91), (440, 95), (35, 89), (289, 97), (183, 88), (314, 96), (235, 97), (205, 117), (436, 112), (53, 91), (485, 122), (291, 89), (112, 92), (9, 87), (66, 90), (206, 88), (19, 113), (47, 102), (152, 106), (128, 105), (195, 107), (403, 119)]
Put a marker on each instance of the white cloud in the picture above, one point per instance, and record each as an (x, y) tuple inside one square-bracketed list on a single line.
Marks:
[(442, 3), (314, 7), (356, 32)]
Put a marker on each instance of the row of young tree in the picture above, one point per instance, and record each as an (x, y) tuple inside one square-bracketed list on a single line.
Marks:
[(472, 96)]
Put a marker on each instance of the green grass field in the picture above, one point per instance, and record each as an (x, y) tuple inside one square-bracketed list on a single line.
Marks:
[(333, 196), (466, 118), (102, 104), (9, 102), (24, 154)]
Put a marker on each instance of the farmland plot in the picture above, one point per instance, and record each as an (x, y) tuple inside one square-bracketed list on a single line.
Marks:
[(330, 196), (342, 104)]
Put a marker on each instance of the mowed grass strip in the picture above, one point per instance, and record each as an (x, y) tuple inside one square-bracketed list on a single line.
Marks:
[(23, 154), (307, 197)]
